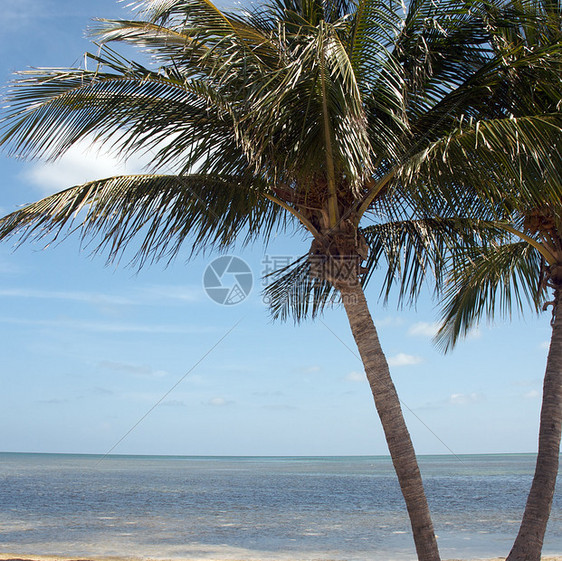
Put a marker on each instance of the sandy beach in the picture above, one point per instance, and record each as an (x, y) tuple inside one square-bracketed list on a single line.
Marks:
[(17, 557)]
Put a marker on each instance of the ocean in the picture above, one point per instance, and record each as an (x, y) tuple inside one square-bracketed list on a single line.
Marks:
[(250, 508)]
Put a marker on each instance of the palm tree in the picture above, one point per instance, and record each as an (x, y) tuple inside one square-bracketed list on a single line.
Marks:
[(520, 269), (524, 264), (308, 114)]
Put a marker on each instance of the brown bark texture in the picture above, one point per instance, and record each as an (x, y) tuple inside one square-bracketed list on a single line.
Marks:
[(529, 541), (390, 413)]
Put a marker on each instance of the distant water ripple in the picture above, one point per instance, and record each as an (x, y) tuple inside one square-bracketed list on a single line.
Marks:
[(341, 508)]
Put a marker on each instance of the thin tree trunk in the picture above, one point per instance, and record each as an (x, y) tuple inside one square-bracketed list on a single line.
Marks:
[(390, 413), (529, 541)]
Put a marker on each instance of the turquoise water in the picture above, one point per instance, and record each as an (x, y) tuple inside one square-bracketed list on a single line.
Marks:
[(259, 508)]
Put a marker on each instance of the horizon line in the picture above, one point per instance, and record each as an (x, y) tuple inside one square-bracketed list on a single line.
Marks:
[(264, 456)]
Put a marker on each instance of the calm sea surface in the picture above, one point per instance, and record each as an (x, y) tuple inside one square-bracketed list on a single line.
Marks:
[(336, 508)]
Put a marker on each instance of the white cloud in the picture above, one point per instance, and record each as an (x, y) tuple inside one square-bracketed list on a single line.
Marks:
[(275, 393), (91, 297), (142, 296), (533, 394), (173, 403), (7, 267), (528, 383), (109, 327), (219, 402), (83, 162), (545, 345), (464, 399), (172, 292), (139, 370), (311, 369), (388, 321), (456, 399), (402, 359), (475, 333), (280, 407), (424, 329), (99, 391), (52, 401), (356, 377)]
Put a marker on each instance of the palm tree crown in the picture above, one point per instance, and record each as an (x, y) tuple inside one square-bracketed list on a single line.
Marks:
[(297, 113), (309, 107), (294, 112)]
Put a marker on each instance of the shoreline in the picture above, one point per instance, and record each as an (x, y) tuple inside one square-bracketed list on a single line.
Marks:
[(18, 557)]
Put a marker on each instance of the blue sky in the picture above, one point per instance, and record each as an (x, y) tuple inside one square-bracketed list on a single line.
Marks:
[(88, 349)]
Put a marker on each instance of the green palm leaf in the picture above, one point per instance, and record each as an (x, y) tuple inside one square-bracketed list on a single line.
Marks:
[(294, 292), (163, 211), (511, 162), (492, 280), (411, 252), (322, 110), (408, 251)]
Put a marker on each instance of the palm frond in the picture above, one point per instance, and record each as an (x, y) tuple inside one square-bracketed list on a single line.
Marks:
[(372, 32), (499, 88), (191, 31), (293, 291), (164, 43), (490, 281), (415, 253), (179, 124), (440, 43), (508, 162), (181, 12), (413, 110), (51, 109), (161, 212)]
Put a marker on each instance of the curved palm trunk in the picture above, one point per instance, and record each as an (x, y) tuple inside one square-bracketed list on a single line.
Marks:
[(390, 413), (529, 541)]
